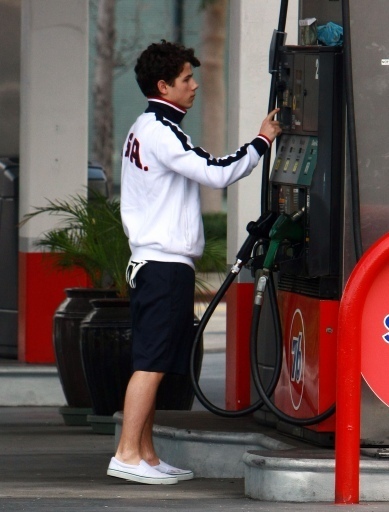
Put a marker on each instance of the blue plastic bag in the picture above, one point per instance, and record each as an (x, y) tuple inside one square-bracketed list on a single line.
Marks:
[(330, 34)]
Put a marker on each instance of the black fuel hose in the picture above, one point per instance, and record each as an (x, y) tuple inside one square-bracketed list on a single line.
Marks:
[(254, 363), (264, 394), (271, 106), (200, 330), (253, 349), (353, 156), (273, 300), (351, 130), (231, 276), (303, 422)]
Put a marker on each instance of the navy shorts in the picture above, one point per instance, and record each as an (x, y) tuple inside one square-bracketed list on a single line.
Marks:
[(162, 310)]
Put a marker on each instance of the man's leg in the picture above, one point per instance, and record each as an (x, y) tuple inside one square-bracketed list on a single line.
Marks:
[(138, 417), (147, 445)]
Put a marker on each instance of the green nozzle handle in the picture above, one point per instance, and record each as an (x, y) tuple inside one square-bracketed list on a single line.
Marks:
[(286, 227)]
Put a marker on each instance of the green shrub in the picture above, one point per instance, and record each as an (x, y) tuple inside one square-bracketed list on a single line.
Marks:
[(90, 237), (215, 253), (215, 225)]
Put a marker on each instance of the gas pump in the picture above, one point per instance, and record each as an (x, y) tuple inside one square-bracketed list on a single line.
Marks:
[(302, 240), (300, 234), (307, 177)]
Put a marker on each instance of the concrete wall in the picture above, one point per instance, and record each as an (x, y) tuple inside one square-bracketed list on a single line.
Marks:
[(53, 152), (9, 77), (251, 27)]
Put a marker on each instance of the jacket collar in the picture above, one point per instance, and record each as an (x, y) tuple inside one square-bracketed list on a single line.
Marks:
[(167, 109)]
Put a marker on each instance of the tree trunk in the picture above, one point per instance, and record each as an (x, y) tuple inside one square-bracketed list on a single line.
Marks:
[(103, 88), (213, 91)]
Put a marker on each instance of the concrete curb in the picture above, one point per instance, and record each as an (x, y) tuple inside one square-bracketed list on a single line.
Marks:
[(308, 476), (208, 454), (24, 385)]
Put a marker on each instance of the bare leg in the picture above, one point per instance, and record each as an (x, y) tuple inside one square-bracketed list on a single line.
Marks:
[(147, 445), (138, 417)]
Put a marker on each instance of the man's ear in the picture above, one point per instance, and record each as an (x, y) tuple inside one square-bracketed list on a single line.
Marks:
[(162, 87)]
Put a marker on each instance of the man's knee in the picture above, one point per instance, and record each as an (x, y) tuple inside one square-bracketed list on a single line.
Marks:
[(148, 377)]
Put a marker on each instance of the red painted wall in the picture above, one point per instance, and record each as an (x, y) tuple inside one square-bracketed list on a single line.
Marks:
[(41, 290)]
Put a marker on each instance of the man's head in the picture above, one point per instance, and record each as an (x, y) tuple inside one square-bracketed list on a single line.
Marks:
[(160, 65)]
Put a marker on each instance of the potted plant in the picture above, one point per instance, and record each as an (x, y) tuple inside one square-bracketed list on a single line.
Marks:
[(91, 237), (90, 233)]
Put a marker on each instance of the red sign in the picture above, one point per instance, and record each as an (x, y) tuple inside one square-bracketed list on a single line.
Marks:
[(306, 386), (375, 336)]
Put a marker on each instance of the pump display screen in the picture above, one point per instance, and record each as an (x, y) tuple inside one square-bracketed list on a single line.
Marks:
[(298, 92)]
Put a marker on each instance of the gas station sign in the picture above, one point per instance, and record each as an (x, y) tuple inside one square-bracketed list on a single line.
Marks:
[(375, 337)]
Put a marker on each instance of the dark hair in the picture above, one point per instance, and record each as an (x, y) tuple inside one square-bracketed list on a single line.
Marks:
[(162, 61)]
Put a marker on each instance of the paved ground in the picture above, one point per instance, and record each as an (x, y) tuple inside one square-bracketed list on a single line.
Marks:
[(47, 466)]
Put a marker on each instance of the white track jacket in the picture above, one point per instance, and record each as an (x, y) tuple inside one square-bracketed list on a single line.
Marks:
[(160, 188)]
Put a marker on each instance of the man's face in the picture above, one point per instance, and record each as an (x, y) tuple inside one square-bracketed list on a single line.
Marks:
[(183, 91)]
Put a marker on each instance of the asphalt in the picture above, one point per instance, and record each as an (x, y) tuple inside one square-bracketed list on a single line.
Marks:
[(46, 465)]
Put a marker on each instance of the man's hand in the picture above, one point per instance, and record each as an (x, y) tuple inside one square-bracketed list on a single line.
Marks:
[(270, 128)]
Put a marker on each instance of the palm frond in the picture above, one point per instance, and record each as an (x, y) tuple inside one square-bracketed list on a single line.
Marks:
[(214, 256), (91, 237)]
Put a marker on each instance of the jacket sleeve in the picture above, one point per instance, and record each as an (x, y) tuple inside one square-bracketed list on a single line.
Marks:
[(176, 152)]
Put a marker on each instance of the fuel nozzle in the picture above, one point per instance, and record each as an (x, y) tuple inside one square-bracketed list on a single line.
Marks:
[(257, 230), (286, 227)]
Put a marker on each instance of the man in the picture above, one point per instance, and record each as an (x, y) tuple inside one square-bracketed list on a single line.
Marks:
[(161, 214)]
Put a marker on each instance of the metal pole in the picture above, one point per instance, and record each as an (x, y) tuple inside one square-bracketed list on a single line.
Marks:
[(348, 394), (271, 105)]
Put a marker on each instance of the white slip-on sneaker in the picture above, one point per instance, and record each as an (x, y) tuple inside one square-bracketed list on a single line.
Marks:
[(142, 473), (167, 469)]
